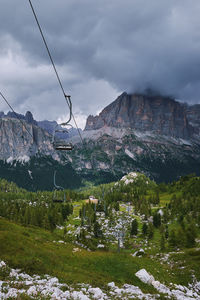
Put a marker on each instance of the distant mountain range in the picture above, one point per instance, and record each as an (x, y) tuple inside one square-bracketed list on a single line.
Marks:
[(151, 134)]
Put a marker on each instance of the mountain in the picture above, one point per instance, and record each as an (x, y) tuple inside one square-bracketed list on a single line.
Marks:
[(151, 134), (160, 115), (48, 126), (155, 135), (17, 143), (28, 158)]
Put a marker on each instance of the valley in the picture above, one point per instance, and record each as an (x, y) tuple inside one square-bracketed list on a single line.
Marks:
[(118, 217), (99, 150)]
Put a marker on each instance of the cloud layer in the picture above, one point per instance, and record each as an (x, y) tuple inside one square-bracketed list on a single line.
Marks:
[(101, 48)]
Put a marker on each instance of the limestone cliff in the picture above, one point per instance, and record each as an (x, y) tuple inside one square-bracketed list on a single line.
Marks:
[(17, 143), (161, 115)]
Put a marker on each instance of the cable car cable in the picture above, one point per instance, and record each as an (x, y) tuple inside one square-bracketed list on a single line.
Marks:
[(53, 64)]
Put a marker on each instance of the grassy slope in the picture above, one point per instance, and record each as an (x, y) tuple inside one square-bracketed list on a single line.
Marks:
[(33, 250)]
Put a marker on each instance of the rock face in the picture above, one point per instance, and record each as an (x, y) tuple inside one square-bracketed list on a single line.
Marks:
[(28, 116), (17, 143), (157, 114), (193, 115), (119, 151), (29, 159)]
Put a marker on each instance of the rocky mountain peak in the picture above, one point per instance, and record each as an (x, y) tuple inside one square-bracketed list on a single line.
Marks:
[(29, 118), (158, 114)]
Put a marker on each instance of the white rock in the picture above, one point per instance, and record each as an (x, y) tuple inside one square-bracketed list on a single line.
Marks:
[(79, 296), (97, 293), (144, 276), (2, 264), (32, 291), (111, 284)]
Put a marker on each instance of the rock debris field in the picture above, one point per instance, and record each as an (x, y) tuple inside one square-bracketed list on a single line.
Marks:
[(16, 283)]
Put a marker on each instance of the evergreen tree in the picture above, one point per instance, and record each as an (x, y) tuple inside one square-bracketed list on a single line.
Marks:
[(157, 220), (144, 229), (134, 227), (190, 235), (150, 231), (166, 232), (162, 242), (97, 230)]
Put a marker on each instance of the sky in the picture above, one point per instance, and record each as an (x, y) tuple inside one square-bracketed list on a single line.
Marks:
[(101, 48)]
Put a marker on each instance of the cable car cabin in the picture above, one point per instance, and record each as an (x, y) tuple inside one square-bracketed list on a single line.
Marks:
[(59, 196)]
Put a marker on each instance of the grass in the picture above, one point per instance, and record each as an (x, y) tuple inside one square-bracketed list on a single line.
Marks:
[(164, 199), (33, 251)]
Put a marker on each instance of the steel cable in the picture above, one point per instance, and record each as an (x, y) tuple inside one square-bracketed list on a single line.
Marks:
[(53, 64)]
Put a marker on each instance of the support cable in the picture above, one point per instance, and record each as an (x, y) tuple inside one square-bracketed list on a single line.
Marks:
[(54, 67)]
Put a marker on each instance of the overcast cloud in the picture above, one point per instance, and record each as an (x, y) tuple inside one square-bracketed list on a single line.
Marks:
[(101, 48)]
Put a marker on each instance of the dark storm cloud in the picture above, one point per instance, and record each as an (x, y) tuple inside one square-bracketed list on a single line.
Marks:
[(101, 48)]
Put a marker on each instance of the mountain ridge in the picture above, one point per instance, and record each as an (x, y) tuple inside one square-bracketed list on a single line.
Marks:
[(161, 115), (109, 149)]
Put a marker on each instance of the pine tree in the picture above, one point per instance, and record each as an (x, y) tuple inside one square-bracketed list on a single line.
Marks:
[(144, 229), (166, 232), (134, 227), (150, 231), (157, 220), (97, 230), (190, 235)]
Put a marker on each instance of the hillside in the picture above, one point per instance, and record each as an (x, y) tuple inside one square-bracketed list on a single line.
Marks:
[(127, 246), (117, 151)]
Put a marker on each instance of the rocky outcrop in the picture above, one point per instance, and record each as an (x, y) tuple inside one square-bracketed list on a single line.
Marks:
[(161, 115), (28, 116), (18, 143), (48, 126), (193, 115)]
